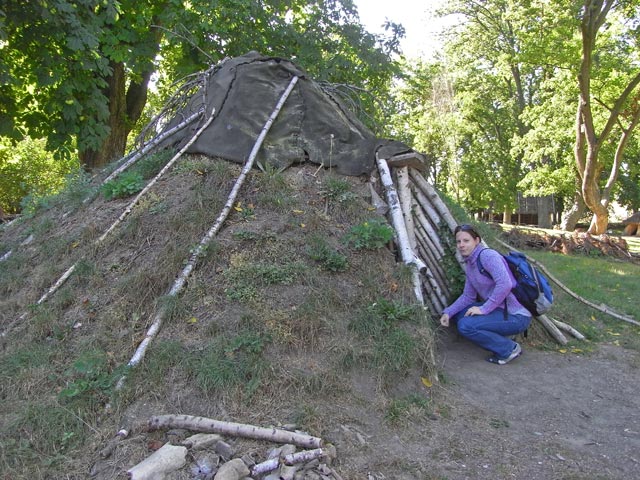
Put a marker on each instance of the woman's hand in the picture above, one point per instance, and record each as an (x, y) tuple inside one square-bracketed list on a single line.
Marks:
[(473, 311), (444, 320)]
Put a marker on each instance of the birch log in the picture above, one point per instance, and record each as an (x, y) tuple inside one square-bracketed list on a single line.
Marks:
[(198, 251), (434, 241), (434, 269), (408, 256), (291, 459), (552, 329), (208, 425), (430, 256), (404, 195), (435, 199), (155, 141), (568, 328)]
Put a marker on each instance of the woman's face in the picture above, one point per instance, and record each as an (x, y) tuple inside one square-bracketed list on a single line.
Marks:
[(466, 243)]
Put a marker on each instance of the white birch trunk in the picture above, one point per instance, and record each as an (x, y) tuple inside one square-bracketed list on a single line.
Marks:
[(404, 195), (552, 329), (408, 256), (152, 143), (567, 328), (291, 459), (208, 425), (435, 199)]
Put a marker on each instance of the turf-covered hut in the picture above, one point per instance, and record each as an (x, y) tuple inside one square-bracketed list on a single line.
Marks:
[(312, 126)]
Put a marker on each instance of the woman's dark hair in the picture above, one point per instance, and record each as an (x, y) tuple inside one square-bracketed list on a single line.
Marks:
[(465, 227)]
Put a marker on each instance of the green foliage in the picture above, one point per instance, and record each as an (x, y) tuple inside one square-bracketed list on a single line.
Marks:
[(28, 170), (377, 318), (338, 190), (124, 185), (150, 165), (328, 258), (57, 64), (231, 362), (394, 350), (90, 379), (371, 234), (53, 430)]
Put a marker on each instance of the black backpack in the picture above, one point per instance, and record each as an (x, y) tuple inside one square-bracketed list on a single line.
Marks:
[(532, 289)]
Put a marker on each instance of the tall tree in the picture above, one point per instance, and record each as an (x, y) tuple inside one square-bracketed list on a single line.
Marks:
[(622, 106), (78, 71), (493, 86)]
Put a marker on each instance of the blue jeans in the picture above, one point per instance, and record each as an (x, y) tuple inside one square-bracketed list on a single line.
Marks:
[(491, 331)]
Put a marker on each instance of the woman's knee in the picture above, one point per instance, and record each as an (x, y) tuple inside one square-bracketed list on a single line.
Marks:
[(466, 326)]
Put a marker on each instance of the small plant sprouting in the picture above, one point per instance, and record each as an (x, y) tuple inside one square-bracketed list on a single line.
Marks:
[(329, 259), (90, 376), (404, 407), (124, 185), (370, 234), (337, 190)]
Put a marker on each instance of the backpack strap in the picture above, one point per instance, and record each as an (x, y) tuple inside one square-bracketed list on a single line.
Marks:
[(484, 272), (481, 269)]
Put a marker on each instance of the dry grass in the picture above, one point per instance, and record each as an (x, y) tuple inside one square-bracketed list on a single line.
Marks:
[(270, 316)]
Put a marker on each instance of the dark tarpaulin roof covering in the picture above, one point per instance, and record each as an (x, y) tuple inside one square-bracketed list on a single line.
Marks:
[(312, 125)]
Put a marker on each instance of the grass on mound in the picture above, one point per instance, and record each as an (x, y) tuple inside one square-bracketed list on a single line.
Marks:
[(297, 293)]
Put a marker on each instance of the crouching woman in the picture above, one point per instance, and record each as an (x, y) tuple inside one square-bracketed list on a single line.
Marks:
[(487, 313)]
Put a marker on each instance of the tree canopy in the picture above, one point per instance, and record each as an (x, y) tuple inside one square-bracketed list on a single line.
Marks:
[(543, 99), (78, 72)]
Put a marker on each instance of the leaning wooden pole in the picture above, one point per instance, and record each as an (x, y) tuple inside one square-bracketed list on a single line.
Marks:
[(434, 198), (408, 255), (155, 179), (155, 141), (208, 425), (182, 278)]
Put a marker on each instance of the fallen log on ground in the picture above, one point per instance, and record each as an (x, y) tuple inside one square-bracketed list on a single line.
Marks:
[(207, 425)]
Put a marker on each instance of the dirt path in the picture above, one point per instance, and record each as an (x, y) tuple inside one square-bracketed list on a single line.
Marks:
[(545, 416)]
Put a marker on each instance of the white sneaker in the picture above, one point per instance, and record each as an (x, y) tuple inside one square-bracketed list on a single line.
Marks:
[(515, 353)]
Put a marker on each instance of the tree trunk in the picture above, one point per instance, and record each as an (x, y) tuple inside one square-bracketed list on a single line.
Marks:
[(571, 216), (113, 146), (506, 217), (125, 107)]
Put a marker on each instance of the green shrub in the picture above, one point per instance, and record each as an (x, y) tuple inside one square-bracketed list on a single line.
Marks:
[(231, 362), (124, 185), (370, 234), (337, 190), (90, 379), (28, 170), (329, 259)]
